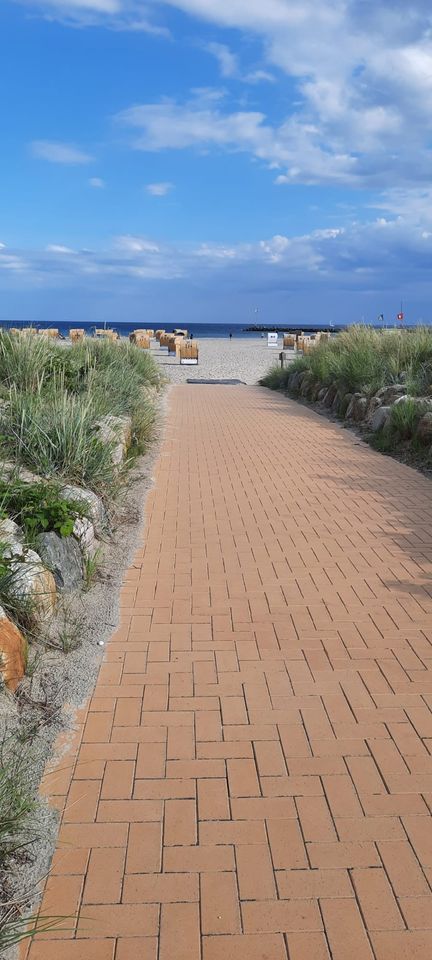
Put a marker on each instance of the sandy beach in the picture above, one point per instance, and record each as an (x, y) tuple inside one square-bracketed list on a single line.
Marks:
[(245, 359)]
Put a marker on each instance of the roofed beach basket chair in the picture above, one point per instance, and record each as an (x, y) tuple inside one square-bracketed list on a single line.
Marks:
[(77, 335), (189, 352), (141, 339), (101, 333), (51, 332)]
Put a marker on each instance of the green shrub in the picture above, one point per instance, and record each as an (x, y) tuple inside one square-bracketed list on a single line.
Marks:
[(39, 507), (275, 379)]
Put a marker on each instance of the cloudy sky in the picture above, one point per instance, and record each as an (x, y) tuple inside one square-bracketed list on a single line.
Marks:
[(202, 160)]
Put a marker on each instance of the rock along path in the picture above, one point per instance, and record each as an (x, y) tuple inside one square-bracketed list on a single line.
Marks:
[(254, 774)]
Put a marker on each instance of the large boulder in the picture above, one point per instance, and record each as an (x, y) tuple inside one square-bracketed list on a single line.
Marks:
[(389, 394), (13, 653), (360, 409), (344, 404), (424, 428), (10, 532), (84, 532), (349, 415), (10, 470), (91, 502), (116, 431), (330, 395), (373, 405), (307, 385), (62, 555), (336, 405), (425, 402), (357, 408), (31, 582), (293, 381), (379, 419)]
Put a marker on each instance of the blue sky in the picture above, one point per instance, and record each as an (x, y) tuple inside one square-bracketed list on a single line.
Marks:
[(199, 159)]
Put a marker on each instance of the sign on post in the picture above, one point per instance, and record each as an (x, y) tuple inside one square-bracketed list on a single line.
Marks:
[(272, 339)]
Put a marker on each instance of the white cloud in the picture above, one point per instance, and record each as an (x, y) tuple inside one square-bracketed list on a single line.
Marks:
[(228, 62), (362, 263), (259, 76), (131, 244), (97, 183), (363, 72), (159, 189), (120, 15), (57, 152), (201, 123), (229, 65), (362, 75), (13, 263)]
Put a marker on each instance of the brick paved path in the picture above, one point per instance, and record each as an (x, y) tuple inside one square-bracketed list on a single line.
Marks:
[(255, 774)]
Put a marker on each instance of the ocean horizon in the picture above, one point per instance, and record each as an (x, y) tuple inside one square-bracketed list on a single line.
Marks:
[(198, 330)]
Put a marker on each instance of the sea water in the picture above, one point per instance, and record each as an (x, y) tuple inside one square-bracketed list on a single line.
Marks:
[(199, 330)]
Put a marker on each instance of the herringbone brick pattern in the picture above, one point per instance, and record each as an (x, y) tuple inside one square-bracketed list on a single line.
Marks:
[(253, 778)]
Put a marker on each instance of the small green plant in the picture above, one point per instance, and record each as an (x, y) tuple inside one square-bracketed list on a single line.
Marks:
[(15, 928), (18, 607), (39, 508), (91, 567), (16, 804)]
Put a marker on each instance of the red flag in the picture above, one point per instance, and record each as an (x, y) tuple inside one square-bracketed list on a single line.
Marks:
[(400, 316)]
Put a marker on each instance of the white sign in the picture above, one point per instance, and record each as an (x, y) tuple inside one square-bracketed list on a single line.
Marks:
[(272, 339)]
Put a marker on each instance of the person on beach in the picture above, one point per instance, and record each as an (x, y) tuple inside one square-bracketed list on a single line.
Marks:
[(230, 336)]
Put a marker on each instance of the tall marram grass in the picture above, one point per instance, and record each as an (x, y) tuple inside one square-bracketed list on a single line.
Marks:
[(54, 435), (363, 359), (26, 361), (55, 397)]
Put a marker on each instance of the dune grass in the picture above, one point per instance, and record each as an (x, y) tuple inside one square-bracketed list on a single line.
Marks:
[(54, 397), (361, 359)]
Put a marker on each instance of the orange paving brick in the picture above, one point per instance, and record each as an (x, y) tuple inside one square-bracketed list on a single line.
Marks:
[(179, 932), (104, 877), (220, 910), (254, 774), (180, 823), (255, 872), (144, 849), (140, 948), (261, 947), (305, 946)]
